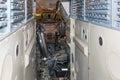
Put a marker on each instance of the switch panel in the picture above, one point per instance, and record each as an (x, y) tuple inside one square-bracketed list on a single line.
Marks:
[(99, 12), (29, 9), (17, 11), (3, 14)]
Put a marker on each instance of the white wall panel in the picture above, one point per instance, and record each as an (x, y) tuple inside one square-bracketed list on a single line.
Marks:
[(81, 50), (72, 49), (29, 51), (12, 55), (13, 58), (104, 59)]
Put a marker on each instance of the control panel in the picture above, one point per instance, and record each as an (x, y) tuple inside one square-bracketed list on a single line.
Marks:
[(17, 11), (29, 9), (3, 13), (99, 12)]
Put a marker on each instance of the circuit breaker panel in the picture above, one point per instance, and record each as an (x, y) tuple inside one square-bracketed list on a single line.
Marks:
[(105, 13), (74, 8), (116, 14), (78, 9), (98, 12), (29, 9), (81, 9), (13, 14), (3, 14), (17, 12)]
